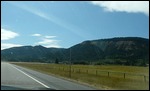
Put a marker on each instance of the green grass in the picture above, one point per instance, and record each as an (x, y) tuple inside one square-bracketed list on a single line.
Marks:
[(97, 76)]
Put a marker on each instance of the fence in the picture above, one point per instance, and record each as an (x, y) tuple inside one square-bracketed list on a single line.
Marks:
[(96, 72)]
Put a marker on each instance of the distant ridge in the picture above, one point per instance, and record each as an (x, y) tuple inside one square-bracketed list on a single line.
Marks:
[(120, 50)]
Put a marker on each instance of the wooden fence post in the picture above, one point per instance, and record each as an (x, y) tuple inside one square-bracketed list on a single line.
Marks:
[(144, 78), (124, 75), (96, 72)]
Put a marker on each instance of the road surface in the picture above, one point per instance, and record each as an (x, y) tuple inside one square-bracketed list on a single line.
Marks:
[(16, 77)]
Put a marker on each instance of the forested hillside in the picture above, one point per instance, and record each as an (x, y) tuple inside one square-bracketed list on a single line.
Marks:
[(123, 51)]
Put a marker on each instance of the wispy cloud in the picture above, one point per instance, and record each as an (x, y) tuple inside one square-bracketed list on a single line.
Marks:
[(124, 6), (49, 36), (9, 45), (53, 45), (47, 40), (37, 35), (7, 34)]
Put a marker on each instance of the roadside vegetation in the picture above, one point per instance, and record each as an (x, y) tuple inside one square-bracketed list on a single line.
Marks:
[(99, 76)]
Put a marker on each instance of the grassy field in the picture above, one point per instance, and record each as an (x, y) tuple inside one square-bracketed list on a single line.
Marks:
[(101, 77)]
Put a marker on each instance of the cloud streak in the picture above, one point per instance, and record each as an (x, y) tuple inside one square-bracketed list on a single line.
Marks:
[(7, 34), (37, 35), (47, 40), (9, 45), (74, 29), (49, 36), (124, 6)]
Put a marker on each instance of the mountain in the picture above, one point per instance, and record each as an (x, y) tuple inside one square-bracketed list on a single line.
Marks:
[(31, 53), (123, 50)]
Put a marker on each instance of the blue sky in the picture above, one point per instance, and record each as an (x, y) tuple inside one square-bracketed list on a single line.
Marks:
[(64, 24)]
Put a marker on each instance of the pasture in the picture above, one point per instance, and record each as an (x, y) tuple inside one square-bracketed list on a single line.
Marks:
[(99, 76)]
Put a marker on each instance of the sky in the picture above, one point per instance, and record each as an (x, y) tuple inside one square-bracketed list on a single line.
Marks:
[(62, 24)]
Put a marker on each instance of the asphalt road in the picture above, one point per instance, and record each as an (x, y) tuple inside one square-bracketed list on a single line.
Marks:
[(16, 77)]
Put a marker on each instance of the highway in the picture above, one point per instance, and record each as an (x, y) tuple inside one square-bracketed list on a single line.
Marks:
[(18, 78)]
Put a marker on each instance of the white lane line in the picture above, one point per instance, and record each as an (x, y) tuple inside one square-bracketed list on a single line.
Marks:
[(31, 77)]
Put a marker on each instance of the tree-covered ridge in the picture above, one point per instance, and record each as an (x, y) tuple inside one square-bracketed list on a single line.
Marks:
[(123, 51)]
